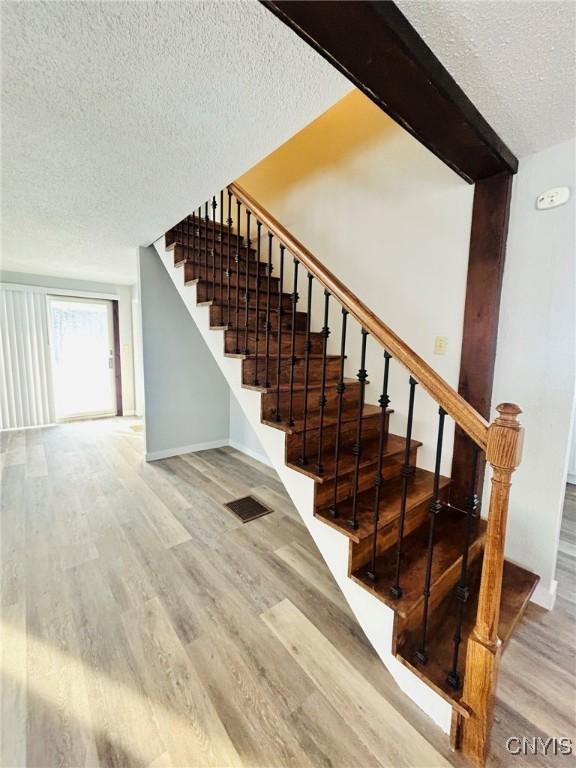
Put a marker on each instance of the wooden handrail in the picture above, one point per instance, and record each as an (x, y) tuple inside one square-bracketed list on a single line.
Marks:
[(454, 404)]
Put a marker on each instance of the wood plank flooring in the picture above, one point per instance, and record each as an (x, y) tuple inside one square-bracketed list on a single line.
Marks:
[(144, 625)]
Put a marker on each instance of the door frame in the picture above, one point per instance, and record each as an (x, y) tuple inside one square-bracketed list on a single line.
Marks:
[(115, 334), (117, 361)]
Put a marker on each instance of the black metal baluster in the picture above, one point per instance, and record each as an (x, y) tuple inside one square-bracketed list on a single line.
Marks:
[(214, 206), (357, 450), (267, 321), (406, 473), (221, 242), (228, 273), (192, 255), (384, 402), (340, 389), (293, 359), (246, 313), (237, 260), (199, 236), (322, 398), (206, 222), (462, 590), (258, 239), (307, 349), (277, 415), (435, 507)]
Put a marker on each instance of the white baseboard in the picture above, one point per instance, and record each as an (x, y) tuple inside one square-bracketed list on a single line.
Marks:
[(32, 426), (249, 452), (545, 597), (167, 453)]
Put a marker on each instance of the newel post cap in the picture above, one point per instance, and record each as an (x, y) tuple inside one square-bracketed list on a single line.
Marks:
[(508, 414), (505, 438)]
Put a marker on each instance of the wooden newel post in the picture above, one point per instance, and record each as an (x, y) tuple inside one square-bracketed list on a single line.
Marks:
[(503, 453)]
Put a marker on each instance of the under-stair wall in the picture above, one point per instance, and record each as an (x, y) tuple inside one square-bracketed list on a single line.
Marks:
[(375, 618), (186, 396)]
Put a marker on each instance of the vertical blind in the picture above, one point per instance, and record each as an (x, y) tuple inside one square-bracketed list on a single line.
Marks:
[(26, 397)]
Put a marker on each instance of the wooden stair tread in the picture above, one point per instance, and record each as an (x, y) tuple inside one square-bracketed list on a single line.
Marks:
[(393, 446), (286, 311), (284, 358), (518, 585), (208, 282), (449, 535), (284, 373), (312, 386), (274, 335), (184, 254), (349, 413), (420, 488)]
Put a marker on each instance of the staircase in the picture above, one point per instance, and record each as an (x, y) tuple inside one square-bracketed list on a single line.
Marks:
[(424, 573)]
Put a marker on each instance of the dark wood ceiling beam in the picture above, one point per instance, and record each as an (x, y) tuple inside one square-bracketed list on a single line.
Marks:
[(378, 50)]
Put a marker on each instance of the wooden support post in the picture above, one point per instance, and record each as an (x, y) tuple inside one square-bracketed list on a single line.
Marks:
[(503, 453), (480, 332)]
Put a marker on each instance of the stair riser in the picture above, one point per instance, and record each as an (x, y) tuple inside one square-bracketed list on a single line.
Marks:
[(185, 234), (269, 401), (438, 592), (219, 313), (203, 249), (184, 255), (207, 292), (299, 342), (391, 467), (207, 228), (315, 373), (388, 536), (370, 429), (196, 270), (347, 414)]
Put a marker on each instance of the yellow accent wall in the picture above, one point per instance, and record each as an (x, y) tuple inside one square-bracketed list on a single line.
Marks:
[(390, 220)]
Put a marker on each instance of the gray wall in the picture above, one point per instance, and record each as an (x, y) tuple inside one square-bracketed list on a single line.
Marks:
[(186, 396)]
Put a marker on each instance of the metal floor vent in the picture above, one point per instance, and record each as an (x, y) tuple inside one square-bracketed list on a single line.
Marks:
[(247, 508)]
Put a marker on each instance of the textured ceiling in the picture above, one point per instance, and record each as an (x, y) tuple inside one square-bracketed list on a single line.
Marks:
[(514, 59), (119, 117)]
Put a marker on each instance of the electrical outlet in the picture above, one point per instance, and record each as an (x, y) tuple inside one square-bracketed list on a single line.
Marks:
[(552, 198), (440, 345)]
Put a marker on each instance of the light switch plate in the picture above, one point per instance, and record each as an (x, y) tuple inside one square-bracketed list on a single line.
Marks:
[(440, 345), (552, 198)]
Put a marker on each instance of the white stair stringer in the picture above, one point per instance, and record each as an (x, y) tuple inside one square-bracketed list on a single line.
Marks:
[(375, 618)]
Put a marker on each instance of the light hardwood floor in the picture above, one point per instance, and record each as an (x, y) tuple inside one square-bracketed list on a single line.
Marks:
[(143, 625)]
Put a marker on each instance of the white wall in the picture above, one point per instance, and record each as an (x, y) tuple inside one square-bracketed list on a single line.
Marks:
[(242, 436), (186, 397), (123, 294), (535, 361), (391, 221), (572, 456)]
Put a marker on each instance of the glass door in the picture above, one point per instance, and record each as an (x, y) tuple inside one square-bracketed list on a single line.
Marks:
[(82, 344)]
